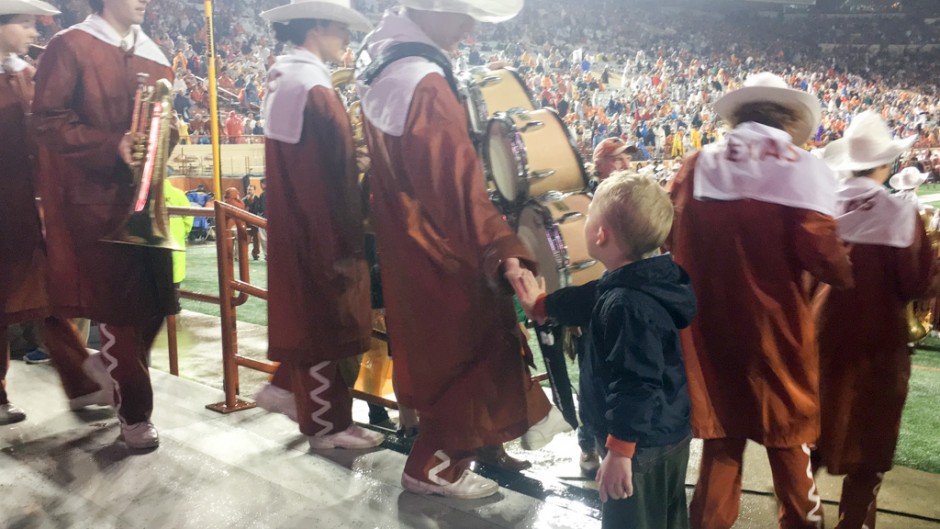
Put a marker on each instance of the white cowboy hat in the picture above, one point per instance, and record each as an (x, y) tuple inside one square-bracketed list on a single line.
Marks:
[(867, 143), (480, 10), (336, 10), (766, 86), (27, 7), (908, 178)]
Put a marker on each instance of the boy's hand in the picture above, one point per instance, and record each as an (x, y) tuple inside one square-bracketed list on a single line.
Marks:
[(528, 290), (615, 477)]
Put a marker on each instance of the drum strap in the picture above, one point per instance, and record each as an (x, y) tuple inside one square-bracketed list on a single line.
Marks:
[(403, 50)]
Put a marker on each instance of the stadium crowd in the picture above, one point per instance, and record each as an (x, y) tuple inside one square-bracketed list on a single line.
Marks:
[(647, 75)]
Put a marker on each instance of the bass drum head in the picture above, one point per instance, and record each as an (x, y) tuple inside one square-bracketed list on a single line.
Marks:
[(550, 147), (569, 214), (537, 233), (502, 159), (504, 90)]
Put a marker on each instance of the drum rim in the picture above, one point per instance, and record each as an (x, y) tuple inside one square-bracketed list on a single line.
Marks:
[(479, 102), (518, 153), (555, 240), (523, 164)]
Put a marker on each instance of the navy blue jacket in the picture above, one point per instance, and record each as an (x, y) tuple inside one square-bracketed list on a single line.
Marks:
[(634, 364)]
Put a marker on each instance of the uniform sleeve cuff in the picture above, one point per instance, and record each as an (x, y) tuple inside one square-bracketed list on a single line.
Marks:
[(539, 312), (619, 447)]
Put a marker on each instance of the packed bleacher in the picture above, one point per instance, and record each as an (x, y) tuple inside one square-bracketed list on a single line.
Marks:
[(646, 73)]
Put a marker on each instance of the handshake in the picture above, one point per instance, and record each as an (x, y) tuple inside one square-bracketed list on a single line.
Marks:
[(527, 287)]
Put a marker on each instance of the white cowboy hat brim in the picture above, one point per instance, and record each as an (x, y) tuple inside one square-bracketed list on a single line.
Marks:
[(27, 7), (312, 9), (901, 182), (838, 157), (802, 101), (480, 10)]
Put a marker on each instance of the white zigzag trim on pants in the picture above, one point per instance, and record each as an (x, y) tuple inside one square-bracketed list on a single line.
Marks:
[(112, 365), (435, 470), (315, 397), (813, 515)]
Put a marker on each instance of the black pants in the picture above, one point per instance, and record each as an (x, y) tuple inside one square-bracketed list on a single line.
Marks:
[(658, 500)]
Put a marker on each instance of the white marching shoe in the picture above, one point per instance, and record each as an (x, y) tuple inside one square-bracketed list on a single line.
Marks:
[(140, 435), (10, 414), (94, 367), (354, 437), (469, 486), (277, 400), (542, 432)]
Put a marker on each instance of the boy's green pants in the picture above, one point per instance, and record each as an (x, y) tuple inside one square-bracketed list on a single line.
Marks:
[(658, 500)]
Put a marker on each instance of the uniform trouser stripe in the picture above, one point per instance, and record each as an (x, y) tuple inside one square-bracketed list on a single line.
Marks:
[(112, 364), (321, 406)]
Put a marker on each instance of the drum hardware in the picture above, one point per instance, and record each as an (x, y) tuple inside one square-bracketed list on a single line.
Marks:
[(568, 217), (490, 80), (582, 265), (532, 125), (538, 175)]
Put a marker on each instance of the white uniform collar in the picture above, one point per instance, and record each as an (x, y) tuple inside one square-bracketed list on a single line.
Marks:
[(14, 64), (288, 82), (867, 214), (758, 162), (387, 101), (138, 41)]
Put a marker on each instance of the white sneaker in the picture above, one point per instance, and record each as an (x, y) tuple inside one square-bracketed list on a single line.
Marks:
[(140, 435), (277, 400), (469, 486), (542, 432), (10, 414), (354, 437)]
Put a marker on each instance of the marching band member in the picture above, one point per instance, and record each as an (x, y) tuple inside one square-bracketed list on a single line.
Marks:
[(753, 212), (319, 308), (85, 87), (906, 182), (23, 264), (865, 360), (446, 253), (22, 257)]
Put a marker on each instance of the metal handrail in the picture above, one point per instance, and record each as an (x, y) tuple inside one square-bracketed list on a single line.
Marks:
[(236, 292)]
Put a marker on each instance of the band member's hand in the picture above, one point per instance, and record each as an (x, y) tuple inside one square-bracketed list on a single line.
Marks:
[(528, 289), (512, 269), (126, 148), (346, 269), (615, 477)]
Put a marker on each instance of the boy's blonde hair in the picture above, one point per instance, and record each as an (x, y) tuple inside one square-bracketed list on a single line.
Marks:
[(637, 210)]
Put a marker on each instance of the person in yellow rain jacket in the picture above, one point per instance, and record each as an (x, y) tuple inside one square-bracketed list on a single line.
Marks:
[(179, 231)]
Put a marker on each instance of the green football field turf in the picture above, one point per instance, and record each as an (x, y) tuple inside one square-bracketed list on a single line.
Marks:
[(918, 447)]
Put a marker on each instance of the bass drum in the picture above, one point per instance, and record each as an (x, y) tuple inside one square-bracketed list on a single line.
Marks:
[(491, 91), (528, 154), (553, 230)]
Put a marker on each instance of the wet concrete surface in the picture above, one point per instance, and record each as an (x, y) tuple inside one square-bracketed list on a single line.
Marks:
[(253, 469)]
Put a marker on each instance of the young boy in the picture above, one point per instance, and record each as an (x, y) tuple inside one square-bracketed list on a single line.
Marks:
[(634, 360)]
